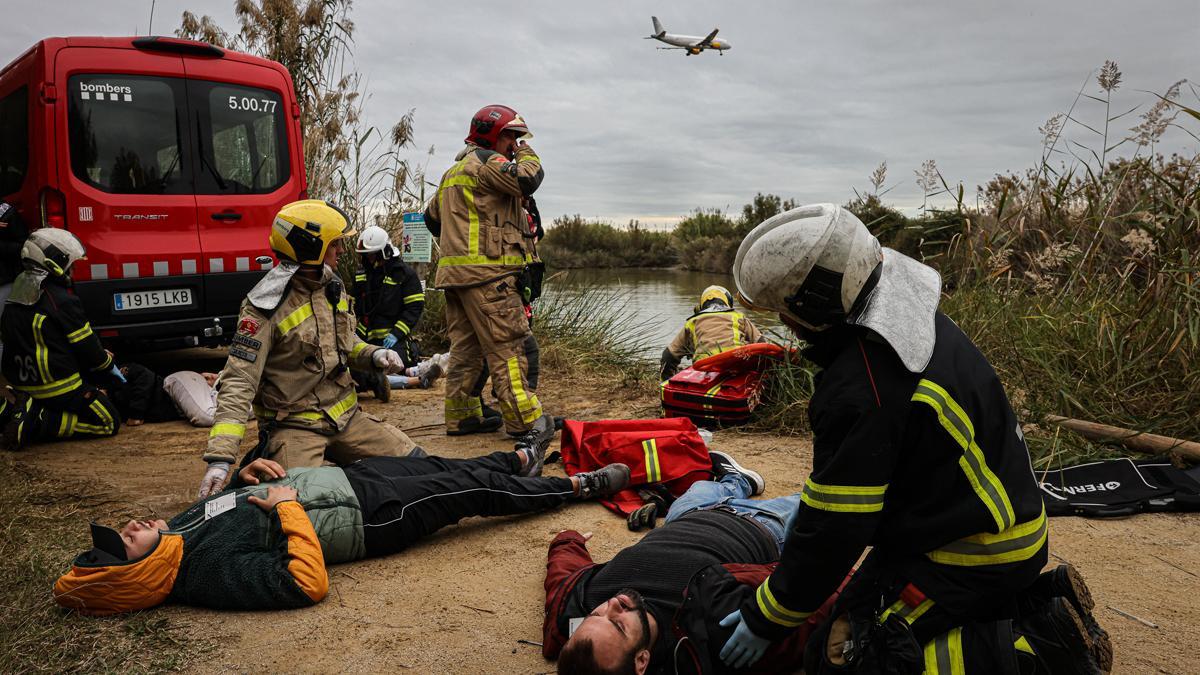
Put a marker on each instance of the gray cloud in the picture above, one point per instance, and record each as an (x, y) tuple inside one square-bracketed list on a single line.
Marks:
[(811, 98)]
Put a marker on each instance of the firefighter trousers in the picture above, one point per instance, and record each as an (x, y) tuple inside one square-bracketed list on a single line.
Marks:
[(488, 322), (84, 412), (365, 436)]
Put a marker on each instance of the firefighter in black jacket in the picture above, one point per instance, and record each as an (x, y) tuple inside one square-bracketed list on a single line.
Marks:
[(917, 454), (51, 356), (388, 299)]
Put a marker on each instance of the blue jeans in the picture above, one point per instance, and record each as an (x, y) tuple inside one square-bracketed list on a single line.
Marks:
[(733, 490)]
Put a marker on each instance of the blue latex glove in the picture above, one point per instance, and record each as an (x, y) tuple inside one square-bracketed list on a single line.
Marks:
[(743, 648), (389, 341), (116, 372)]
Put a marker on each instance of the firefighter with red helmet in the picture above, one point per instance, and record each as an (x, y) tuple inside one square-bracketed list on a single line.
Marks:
[(486, 245), (291, 357)]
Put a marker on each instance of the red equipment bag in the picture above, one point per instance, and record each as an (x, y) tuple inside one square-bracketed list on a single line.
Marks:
[(722, 390), (669, 452)]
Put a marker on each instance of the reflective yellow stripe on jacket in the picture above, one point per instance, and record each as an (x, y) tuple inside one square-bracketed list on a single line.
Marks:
[(843, 498), (983, 481), (1017, 543), (775, 612)]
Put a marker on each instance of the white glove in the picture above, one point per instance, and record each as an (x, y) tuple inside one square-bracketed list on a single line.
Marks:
[(214, 479), (386, 359)]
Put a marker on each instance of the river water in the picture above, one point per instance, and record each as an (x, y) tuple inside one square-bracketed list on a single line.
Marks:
[(656, 301)]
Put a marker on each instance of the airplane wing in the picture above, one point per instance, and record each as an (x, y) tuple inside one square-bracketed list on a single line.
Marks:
[(707, 42)]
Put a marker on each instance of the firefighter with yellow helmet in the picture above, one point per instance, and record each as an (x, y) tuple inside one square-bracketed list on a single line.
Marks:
[(486, 246), (714, 328), (291, 356)]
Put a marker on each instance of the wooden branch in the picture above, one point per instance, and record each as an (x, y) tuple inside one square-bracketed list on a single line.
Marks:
[(1152, 444)]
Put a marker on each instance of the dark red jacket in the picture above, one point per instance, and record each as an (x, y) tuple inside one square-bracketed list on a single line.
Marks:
[(710, 596), (658, 451)]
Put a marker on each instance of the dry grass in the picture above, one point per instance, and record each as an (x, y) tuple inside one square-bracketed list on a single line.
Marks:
[(43, 525)]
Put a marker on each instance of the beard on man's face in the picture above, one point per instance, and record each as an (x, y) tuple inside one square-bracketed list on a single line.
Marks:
[(639, 605)]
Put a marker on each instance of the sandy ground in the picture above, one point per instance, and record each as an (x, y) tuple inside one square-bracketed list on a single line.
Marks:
[(461, 600)]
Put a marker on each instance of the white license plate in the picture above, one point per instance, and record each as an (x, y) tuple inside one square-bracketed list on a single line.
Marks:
[(152, 299)]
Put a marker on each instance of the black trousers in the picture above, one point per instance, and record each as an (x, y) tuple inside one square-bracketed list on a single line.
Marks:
[(406, 498)]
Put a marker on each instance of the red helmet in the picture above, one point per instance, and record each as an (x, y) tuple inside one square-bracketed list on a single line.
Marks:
[(490, 121)]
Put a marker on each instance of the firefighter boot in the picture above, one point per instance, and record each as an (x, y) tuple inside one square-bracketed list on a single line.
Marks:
[(533, 443), (15, 414), (1059, 640), (1066, 582), (603, 482), (476, 425)]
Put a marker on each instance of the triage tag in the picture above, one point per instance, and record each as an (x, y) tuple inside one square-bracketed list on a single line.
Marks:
[(219, 505), (573, 625)]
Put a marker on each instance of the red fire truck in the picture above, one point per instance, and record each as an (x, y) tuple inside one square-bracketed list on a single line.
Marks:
[(168, 158)]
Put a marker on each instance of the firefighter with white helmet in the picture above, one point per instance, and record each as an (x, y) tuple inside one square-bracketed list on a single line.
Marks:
[(485, 245), (918, 456), (51, 356), (388, 299), (715, 327), (291, 357)]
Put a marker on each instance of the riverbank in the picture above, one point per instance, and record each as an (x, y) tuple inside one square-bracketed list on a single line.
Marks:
[(460, 600)]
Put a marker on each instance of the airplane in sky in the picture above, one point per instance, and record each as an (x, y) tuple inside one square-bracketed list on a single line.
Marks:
[(692, 43)]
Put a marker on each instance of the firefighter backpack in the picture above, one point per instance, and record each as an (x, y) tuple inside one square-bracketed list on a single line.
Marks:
[(666, 453), (722, 390)]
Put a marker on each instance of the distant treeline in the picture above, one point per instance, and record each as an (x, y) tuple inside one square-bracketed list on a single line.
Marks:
[(707, 240)]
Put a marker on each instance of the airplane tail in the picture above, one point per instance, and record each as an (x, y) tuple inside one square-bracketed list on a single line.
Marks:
[(658, 29)]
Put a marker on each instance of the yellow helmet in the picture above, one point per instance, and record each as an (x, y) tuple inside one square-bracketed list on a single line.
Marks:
[(303, 230), (715, 293)]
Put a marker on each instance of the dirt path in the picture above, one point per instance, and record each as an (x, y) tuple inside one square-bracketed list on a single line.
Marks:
[(459, 601)]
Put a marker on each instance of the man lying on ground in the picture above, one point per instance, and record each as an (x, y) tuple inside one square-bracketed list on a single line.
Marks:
[(664, 604), (656, 605), (145, 396), (264, 543)]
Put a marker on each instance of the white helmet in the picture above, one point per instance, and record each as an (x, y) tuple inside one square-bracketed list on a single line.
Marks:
[(375, 239), (809, 263), (818, 265), (53, 250)]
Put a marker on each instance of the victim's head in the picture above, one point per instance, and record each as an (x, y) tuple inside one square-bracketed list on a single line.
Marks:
[(141, 536), (615, 638)]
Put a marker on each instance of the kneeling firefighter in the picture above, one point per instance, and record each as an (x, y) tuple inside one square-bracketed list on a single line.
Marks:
[(714, 328), (291, 357), (916, 454), (51, 356), (388, 299)]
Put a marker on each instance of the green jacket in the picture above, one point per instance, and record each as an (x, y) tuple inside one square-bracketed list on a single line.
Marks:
[(245, 558)]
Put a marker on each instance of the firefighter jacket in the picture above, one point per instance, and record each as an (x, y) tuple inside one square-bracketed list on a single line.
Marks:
[(291, 365), (929, 468), (49, 347), (712, 331), (227, 553), (387, 299), (477, 217)]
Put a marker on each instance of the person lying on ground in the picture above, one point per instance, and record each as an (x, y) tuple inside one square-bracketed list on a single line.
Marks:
[(657, 604), (265, 544), (147, 397), (715, 327), (422, 375)]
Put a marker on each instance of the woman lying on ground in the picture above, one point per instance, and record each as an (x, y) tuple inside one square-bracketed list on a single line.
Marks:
[(264, 543)]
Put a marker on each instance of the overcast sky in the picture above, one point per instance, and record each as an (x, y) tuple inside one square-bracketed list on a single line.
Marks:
[(809, 100)]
